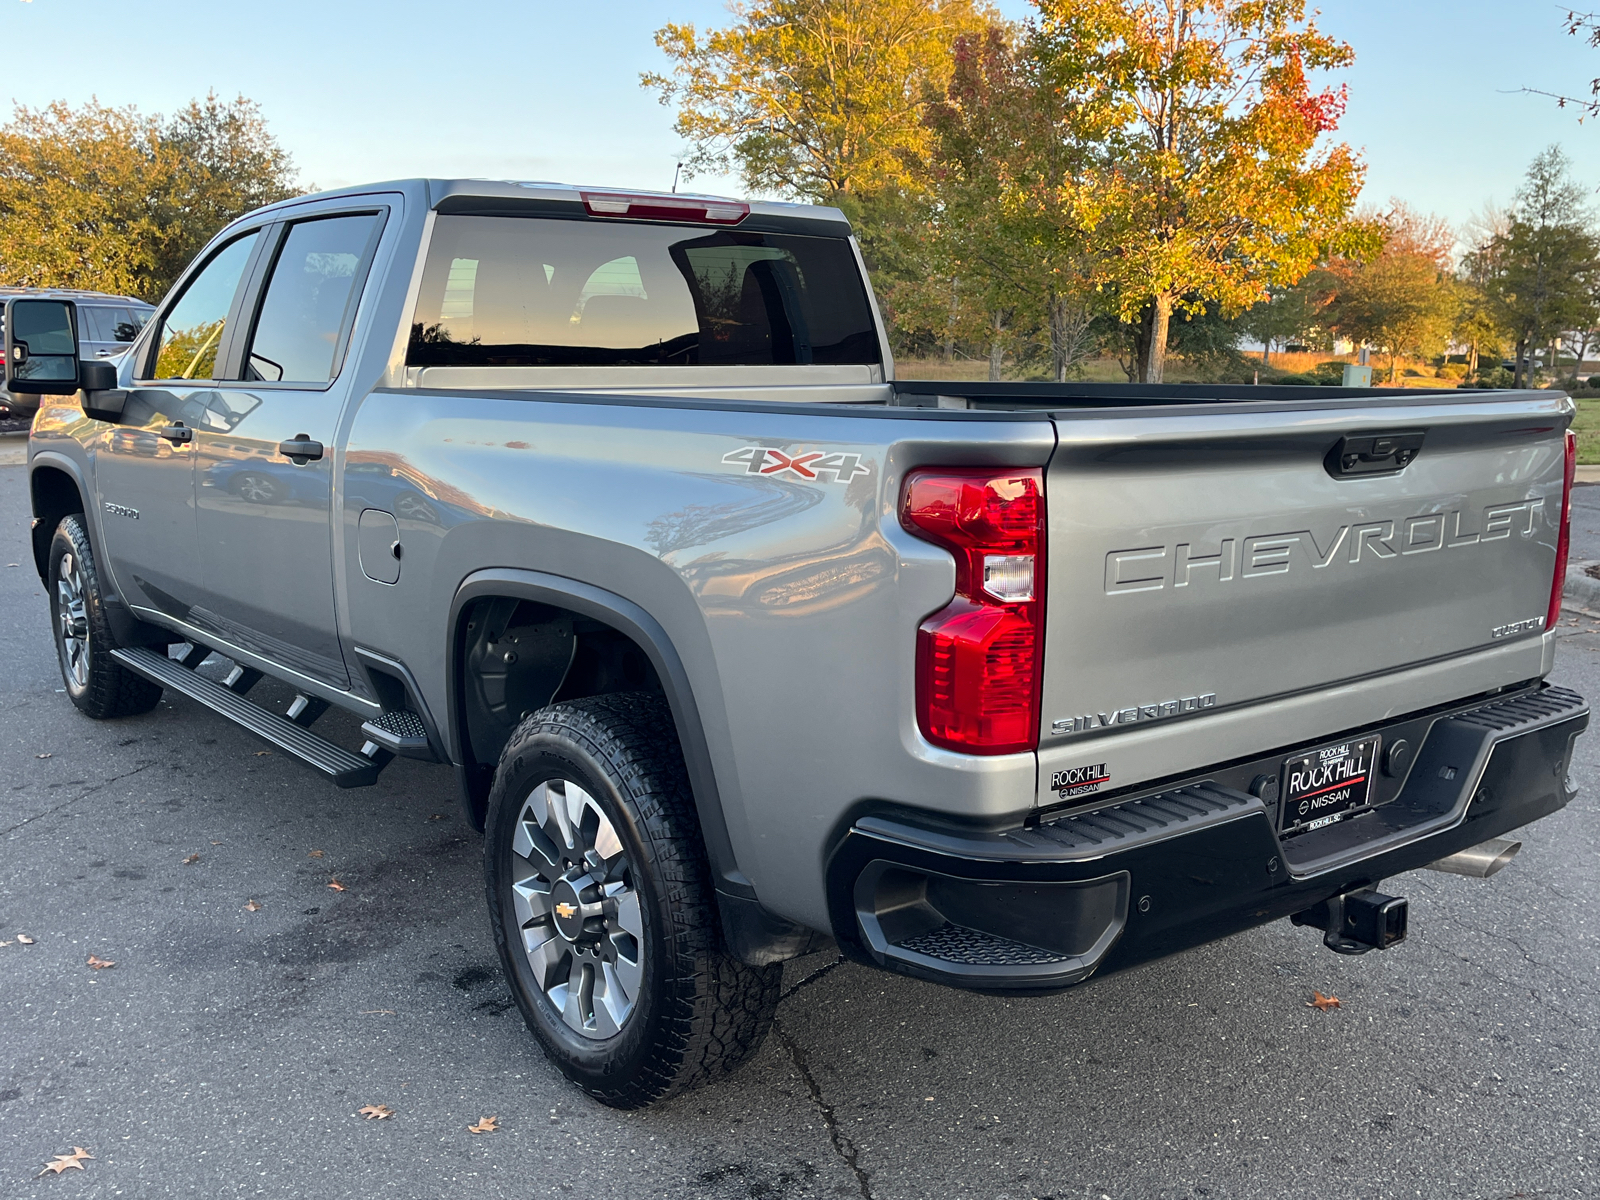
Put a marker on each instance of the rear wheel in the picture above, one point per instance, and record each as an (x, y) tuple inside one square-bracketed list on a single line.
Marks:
[(603, 910), (97, 684)]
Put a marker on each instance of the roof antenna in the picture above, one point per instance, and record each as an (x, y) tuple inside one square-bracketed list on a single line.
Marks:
[(675, 179)]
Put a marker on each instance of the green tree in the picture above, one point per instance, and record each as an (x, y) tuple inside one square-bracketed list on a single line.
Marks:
[(1542, 272), (812, 98), (996, 169), (1289, 314), (1210, 183), (225, 162), (114, 200), (1401, 302)]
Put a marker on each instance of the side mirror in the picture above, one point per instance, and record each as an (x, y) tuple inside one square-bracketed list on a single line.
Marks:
[(42, 347)]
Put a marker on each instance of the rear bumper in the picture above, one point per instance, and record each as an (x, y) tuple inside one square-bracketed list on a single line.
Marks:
[(1048, 905)]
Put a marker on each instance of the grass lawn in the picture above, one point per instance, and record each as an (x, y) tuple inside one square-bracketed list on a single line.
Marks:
[(1587, 426)]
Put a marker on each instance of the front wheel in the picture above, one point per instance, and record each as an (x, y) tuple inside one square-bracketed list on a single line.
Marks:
[(96, 683), (602, 905)]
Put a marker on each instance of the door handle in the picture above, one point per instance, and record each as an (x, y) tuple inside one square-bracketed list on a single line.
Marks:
[(177, 433), (300, 449)]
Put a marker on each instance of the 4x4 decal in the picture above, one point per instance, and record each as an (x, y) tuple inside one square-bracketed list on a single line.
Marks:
[(764, 460)]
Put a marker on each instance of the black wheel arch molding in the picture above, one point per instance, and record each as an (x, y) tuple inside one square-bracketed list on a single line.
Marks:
[(754, 934), (47, 511)]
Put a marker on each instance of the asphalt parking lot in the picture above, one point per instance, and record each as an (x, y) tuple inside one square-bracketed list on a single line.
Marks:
[(229, 1049)]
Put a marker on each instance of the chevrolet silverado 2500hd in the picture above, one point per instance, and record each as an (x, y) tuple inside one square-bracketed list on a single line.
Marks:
[(735, 643)]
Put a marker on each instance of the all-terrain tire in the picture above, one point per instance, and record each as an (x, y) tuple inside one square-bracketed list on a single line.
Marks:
[(96, 683), (699, 1013)]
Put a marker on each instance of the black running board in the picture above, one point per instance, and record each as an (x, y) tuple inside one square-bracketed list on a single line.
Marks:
[(345, 768)]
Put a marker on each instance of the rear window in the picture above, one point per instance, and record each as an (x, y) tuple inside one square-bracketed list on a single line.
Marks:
[(536, 292)]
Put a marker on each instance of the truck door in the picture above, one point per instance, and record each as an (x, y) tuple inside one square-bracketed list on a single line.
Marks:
[(264, 456), (144, 465)]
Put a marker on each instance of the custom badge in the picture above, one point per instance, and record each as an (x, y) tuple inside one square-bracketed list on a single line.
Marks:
[(1079, 781), (812, 466)]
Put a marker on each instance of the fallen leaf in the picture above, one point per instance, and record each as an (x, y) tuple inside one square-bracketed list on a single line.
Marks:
[(336, 885), (44, 756), (437, 817), (24, 939), (5, 943), (376, 1112), (63, 1161), (100, 964), (13, 564), (314, 854), (253, 906), (1319, 1001), (262, 753), (371, 1012), (216, 843), (485, 1125), (193, 858)]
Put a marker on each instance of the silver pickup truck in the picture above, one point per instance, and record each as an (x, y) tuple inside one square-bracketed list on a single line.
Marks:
[(736, 644)]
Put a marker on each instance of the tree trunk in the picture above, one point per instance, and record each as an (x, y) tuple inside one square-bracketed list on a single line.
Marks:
[(1155, 356), (1266, 351), (997, 350), (1472, 360), (1521, 372), (950, 326)]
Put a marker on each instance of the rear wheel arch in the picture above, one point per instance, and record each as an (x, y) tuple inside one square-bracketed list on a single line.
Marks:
[(586, 607)]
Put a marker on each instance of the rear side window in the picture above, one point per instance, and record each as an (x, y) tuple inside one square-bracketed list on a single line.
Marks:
[(108, 324), (191, 333), (309, 299), (536, 292)]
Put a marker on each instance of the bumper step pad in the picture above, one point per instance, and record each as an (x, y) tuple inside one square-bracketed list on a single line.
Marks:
[(344, 767)]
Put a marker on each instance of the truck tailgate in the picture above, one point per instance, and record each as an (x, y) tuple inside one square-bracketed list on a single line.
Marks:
[(1201, 560)]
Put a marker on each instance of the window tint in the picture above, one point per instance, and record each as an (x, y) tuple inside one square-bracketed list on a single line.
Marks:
[(192, 331), (519, 291), (310, 295), (97, 322)]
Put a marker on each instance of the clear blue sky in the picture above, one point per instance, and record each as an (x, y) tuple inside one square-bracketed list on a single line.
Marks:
[(363, 90)]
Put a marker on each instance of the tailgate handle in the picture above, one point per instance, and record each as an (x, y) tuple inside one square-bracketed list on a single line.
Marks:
[(1374, 453)]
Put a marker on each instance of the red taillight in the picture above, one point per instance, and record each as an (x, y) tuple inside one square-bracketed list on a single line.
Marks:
[(707, 209), (978, 658), (1564, 537)]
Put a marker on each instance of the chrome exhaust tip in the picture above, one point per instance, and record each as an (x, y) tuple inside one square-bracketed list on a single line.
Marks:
[(1481, 861)]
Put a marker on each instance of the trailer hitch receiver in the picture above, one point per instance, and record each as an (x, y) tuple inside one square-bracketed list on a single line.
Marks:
[(1357, 921)]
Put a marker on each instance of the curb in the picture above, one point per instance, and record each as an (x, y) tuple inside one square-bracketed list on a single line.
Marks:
[(1581, 590)]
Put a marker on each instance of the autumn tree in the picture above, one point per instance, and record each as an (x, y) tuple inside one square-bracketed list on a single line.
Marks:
[(114, 200), (1211, 182), (812, 98), (1542, 271)]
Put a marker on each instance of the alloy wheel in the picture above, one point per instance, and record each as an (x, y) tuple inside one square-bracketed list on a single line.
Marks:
[(577, 909), (72, 618)]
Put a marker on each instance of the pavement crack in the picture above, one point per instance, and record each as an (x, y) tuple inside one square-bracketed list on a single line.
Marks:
[(88, 791), (811, 978), (843, 1146)]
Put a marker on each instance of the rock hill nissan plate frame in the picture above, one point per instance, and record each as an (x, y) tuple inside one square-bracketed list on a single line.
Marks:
[(1328, 785)]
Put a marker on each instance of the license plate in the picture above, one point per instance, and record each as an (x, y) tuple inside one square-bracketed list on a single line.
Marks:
[(1328, 784)]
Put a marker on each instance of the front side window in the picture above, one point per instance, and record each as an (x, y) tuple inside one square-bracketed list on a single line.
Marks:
[(311, 295), (192, 331), (526, 291)]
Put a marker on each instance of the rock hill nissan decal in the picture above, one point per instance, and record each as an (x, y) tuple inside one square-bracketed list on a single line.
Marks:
[(1151, 568)]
